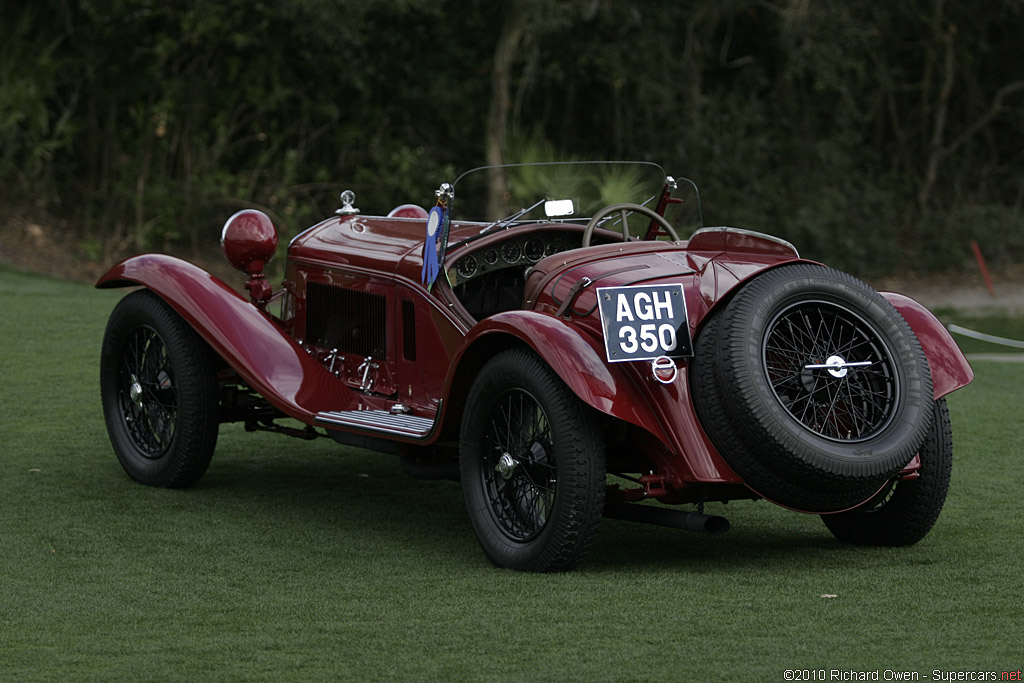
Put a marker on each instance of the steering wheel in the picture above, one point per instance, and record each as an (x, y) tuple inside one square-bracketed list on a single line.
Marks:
[(624, 209)]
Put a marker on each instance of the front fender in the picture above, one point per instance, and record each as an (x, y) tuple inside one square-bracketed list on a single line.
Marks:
[(263, 354), (950, 370)]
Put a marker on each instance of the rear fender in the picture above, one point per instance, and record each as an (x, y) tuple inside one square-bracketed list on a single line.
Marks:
[(578, 359), (950, 370), (263, 354)]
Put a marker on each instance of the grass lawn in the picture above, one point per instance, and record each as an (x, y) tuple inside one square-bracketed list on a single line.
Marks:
[(296, 560)]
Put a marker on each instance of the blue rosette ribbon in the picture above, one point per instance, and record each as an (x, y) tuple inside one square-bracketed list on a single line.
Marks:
[(436, 228)]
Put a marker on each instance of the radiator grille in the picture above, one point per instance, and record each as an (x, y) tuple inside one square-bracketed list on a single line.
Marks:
[(349, 320), (408, 329)]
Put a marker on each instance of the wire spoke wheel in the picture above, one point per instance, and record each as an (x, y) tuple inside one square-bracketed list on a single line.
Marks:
[(146, 392), (812, 387), (831, 371), (158, 384), (520, 472), (531, 459)]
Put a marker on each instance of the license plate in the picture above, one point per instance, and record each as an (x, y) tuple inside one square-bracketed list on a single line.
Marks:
[(642, 322)]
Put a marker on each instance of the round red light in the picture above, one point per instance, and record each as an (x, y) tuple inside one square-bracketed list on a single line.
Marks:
[(249, 240), (408, 211)]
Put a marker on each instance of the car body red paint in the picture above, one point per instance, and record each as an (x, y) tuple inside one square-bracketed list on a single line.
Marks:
[(359, 332)]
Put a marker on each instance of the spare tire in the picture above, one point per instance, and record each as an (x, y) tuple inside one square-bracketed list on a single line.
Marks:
[(812, 387)]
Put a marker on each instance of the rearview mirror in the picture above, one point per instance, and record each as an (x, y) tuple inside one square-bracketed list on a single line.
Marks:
[(558, 207)]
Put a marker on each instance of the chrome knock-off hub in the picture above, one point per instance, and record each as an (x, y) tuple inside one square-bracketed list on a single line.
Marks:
[(135, 393), (506, 465), (837, 366)]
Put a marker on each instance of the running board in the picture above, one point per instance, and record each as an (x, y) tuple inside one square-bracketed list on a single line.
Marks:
[(379, 422)]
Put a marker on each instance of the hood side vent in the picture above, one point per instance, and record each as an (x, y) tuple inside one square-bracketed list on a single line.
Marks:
[(350, 320), (408, 329)]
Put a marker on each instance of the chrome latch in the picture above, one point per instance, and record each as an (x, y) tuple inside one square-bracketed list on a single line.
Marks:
[(365, 367), (333, 357)]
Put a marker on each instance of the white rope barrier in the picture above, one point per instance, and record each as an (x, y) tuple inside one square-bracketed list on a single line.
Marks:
[(956, 329)]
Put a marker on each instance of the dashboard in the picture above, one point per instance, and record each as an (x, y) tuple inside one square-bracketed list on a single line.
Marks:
[(522, 251)]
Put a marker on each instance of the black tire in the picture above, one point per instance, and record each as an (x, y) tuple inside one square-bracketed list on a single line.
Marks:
[(534, 488), (813, 388), (904, 512), (159, 389)]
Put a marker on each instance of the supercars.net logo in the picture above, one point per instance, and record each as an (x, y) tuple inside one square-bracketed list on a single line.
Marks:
[(897, 675)]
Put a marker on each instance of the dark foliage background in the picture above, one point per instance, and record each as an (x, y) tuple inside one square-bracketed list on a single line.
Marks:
[(877, 136)]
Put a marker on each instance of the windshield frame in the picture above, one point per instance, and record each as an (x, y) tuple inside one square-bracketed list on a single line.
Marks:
[(658, 200)]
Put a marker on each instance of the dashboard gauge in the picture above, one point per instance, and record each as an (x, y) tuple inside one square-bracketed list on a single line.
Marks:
[(511, 251), (491, 256), (466, 267), (534, 249), (554, 246)]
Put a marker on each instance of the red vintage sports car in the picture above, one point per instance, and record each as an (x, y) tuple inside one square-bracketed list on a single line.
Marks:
[(555, 337)]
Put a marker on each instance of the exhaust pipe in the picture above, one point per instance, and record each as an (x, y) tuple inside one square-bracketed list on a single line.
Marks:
[(676, 519)]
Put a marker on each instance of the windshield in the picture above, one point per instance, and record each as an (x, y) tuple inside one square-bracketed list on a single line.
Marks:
[(571, 191)]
